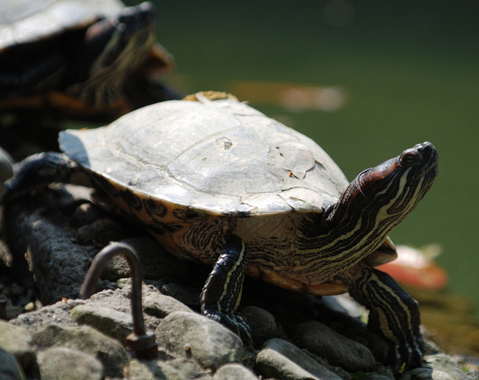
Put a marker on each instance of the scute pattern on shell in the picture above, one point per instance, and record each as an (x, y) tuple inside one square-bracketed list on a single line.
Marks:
[(221, 157)]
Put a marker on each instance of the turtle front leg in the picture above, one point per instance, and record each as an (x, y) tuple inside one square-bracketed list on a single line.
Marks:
[(394, 314), (222, 292), (40, 170)]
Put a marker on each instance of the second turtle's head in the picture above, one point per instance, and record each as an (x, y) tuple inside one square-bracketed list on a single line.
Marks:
[(379, 198)]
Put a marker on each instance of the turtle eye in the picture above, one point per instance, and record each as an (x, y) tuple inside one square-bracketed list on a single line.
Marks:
[(409, 158)]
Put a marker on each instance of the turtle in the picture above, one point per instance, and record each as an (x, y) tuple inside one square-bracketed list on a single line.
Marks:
[(218, 182), (80, 59)]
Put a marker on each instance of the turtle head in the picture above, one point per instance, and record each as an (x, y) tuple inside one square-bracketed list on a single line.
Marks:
[(379, 198), (115, 47), (397, 185)]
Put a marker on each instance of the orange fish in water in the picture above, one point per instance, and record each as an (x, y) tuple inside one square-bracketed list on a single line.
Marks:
[(416, 268)]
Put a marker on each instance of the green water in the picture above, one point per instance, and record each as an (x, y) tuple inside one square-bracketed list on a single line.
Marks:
[(410, 71)]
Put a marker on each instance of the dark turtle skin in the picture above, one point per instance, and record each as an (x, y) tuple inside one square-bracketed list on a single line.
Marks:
[(89, 60), (220, 183)]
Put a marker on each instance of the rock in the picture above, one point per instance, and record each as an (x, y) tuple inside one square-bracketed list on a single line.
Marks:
[(10, 369), (119, 300), (88, 340), (234, 372), (352, 328), (17, 341), (262, 323), (338, 350), (283, 360), (196, 337), (56, 313), (140, 370), (437, 367), (61, 363), (111, 322), (177, 369), (160, 306), (38, 229)]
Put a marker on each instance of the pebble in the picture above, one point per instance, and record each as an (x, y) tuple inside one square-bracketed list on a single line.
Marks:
[(234, 372), (61, 363), (193, 336), (338, 350), (113, 323), (283, 360), (17, 341), (159, 305), (177, 369), (88, 340), (262, 323), (438, 367)]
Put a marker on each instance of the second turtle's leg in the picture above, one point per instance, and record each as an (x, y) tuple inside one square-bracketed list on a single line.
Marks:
[(394, 314), (222, 292)]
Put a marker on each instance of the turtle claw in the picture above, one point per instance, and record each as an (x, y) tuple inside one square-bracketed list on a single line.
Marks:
[(234, 322), (405, 357)]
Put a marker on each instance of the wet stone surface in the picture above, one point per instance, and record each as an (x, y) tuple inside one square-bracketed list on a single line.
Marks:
[(49, 332)]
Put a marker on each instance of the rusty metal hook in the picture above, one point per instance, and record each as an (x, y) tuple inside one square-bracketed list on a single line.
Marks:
[(141, 341)]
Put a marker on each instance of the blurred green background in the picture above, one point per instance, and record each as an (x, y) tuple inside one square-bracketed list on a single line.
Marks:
[(399, 73)]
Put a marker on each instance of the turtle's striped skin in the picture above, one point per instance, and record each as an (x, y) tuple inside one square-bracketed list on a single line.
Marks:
[(220, 183)]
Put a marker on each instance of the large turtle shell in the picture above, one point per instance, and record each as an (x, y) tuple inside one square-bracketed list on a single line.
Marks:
[(29, 21), (220, 157)]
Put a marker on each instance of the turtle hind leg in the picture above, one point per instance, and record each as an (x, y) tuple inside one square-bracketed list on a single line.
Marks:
[(40, 170), (222, 292), (394, 315)]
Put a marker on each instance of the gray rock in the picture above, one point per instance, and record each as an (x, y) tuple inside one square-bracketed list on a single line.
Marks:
[(283, 360), (56, 313), (234, 372), (18, 342), (196, 337), (160, 306), (338, 350), (88, 340), (10, 369), (177, 369), (438, 367), (119, 300), (111, 322), (262, 323), (39, 227), (141, 370), (61, 363)]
